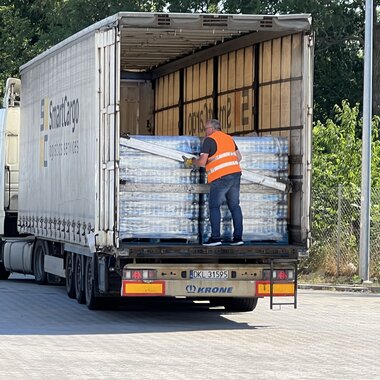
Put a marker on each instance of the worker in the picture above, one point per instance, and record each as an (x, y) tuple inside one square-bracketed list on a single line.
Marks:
[(221, 157)]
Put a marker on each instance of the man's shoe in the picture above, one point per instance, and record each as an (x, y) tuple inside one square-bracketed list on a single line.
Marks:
[(212, 242), (236, 241)]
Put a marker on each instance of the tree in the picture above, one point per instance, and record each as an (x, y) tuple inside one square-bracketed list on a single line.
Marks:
[(202, 6), (243, 6), (28, 27), (339, 30), (17, 38), (337, 150), (336, 193)]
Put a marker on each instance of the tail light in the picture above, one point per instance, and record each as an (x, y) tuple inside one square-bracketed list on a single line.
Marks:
[(140, 274), (279, 274)]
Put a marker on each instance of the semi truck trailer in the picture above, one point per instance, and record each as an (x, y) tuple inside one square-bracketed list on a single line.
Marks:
[(85, 113)]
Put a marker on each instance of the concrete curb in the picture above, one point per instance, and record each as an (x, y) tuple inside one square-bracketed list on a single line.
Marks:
[(341, 288)]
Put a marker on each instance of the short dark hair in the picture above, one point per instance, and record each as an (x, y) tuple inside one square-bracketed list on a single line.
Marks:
[(215, 124)]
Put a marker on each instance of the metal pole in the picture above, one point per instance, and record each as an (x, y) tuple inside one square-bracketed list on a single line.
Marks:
[(366, 151), (339, 229)]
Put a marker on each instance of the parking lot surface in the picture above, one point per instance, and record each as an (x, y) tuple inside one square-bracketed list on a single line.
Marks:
[(45, 335)]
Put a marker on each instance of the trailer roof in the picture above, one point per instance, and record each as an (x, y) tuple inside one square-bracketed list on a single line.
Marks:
[(149, 40)]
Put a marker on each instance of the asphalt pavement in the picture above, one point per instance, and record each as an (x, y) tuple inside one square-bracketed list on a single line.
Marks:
[(46, 335), (369, 288)]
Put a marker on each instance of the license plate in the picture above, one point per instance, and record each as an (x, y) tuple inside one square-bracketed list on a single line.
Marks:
[(209, 274)]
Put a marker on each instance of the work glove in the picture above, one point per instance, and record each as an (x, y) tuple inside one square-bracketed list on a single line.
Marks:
[(188, 162)]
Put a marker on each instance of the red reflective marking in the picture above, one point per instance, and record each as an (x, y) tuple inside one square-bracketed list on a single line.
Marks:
[(136, 275), (282, 276)]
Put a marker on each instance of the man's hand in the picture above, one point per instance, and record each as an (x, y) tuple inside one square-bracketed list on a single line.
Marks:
[(188, 162)]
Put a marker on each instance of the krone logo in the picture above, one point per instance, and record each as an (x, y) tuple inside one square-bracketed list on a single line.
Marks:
[(191, 288)]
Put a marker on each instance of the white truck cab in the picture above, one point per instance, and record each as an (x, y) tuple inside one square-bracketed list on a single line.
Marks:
[(9, 159)]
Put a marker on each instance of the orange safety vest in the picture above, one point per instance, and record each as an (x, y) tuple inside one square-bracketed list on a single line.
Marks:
[(224, 161)]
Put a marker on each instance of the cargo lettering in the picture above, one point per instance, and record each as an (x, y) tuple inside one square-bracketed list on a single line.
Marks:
[(245, 107), (225, 114), (197, 119), (215, 289), (209, 289), (63, 149), (54, 116), (64, 114), (234, 113)]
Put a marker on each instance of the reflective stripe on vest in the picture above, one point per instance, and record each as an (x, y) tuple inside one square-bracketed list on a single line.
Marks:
[(221, 166), (224, 161), (222, 156)]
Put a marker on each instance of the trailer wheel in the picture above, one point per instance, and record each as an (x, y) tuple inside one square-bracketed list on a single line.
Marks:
[(40, 250), (239, 304), (4, 274), (70, 275), (79, 279), (92, 301)]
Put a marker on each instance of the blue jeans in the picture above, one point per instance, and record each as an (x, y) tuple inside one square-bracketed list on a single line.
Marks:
[(227, 187)]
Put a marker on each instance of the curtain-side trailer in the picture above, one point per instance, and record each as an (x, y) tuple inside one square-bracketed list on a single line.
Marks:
[(156, 74)]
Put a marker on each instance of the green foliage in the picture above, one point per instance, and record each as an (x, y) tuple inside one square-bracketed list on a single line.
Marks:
[(339, 32), (336, 190), (17, 38), (243, 6), (337, 150), (28, 27), (202, 6)]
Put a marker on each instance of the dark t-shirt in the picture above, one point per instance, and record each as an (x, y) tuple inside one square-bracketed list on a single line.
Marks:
[(209, 146)]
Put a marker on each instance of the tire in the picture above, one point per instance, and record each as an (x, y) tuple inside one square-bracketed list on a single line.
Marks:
[(79, 279), (92, 301), (4, 274), (239, 304), (70, 275), (41, 249)]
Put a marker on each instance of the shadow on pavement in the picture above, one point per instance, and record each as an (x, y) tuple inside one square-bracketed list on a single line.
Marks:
[(30, 309)]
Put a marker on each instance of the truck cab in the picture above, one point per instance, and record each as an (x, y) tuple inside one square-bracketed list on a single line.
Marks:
[(9, 161), (9, 147)]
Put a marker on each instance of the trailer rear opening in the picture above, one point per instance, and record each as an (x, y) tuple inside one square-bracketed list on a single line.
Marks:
[(83, 204)]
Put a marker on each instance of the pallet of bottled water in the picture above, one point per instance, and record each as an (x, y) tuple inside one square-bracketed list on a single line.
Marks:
[(264, 217), (264, 155), (151, 208), (155, 210), (264, 213)]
